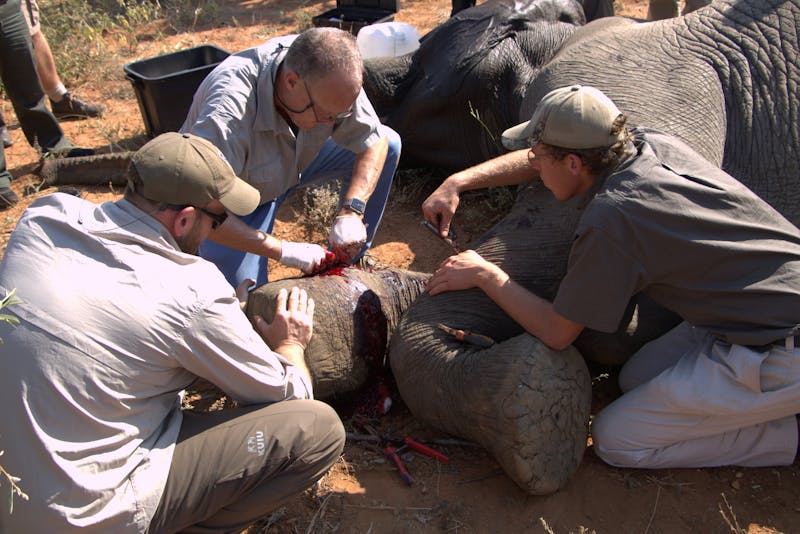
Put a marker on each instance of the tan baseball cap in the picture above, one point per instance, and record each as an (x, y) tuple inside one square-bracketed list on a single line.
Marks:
[(181, 168), (570, 117)]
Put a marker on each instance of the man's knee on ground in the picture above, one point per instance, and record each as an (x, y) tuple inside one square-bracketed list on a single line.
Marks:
[(609, 443), (329, 432)]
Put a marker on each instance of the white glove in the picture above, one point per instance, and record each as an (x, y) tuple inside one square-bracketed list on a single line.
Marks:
[(347, 238), (304, 256)]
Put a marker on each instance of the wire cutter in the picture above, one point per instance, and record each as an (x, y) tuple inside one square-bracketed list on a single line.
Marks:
[(409, 443)]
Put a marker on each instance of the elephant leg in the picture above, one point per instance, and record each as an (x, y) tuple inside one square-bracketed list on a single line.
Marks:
[(356, 313), (525, 403)]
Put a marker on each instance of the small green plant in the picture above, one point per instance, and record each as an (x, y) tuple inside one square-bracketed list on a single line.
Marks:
[(74, 30), (303, 20), (187, 15), (14, 489), (320, 204), (9, 300)]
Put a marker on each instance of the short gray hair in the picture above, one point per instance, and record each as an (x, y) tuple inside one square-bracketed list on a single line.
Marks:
[(318, 52)]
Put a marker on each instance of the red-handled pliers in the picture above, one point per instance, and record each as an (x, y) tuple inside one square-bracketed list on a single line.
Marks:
[(419, 447)]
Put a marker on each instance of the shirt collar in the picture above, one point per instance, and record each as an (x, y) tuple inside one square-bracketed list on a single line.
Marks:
[(267, 116)]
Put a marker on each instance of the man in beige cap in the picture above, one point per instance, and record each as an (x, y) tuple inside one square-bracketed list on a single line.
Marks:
[(117, 315), (723, 387)]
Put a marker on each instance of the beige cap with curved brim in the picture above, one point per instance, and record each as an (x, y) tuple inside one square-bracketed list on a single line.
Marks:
[(181, 168), (570, 117)]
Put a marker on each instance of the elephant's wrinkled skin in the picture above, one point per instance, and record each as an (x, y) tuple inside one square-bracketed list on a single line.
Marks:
[(356, 312), (725, 79), (466, 81)]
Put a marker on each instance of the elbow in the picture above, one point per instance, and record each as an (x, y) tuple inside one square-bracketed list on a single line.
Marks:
[(559, 338), (558, 343)]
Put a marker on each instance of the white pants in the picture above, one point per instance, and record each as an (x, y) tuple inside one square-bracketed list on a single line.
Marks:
[(691, 400)]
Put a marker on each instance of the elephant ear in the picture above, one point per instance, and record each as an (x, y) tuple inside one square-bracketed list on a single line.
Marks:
[(459, 45)]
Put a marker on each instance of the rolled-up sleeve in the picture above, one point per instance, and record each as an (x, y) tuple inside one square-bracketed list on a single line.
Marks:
[(220, 345), (359, 131)]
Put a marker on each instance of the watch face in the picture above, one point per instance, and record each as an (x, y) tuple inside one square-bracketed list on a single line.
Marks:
[(355, 204)]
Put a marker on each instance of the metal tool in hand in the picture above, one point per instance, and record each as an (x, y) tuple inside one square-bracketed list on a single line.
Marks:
[(466, 336), (450, 239)]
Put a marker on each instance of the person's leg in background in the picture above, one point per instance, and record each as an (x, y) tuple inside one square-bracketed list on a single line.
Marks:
[(233, 467), (7, 195), (5, 137), (21, 82), (63, 103)]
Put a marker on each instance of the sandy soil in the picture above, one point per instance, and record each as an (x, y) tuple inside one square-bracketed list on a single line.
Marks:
[(364, 492)]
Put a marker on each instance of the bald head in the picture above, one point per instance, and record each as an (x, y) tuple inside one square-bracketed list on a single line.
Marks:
[(319, 52)]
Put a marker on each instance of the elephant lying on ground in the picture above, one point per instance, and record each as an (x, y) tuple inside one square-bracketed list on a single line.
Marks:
[(724, 78), (548, 392), (356, 313), (466, 82)]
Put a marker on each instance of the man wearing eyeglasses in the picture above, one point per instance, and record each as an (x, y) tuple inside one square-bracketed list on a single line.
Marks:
[(292, 113), (723, 387), (116, 316)]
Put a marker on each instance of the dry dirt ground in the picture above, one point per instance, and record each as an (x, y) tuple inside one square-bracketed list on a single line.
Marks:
[(364, 492)]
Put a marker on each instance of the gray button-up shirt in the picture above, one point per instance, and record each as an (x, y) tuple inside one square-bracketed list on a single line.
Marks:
[(234, 109), (114, 322)]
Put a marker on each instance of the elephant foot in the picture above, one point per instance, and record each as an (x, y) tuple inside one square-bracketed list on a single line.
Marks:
[(542, 415), (526, 404)]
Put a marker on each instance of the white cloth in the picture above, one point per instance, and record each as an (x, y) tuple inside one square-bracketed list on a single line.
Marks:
[(692, 400), (347, 237), (114, 322)]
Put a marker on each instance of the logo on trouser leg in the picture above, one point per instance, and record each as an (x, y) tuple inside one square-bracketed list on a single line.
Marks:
[(255, 444)]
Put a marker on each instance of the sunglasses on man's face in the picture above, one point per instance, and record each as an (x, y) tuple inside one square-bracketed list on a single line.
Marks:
[(216, 218)]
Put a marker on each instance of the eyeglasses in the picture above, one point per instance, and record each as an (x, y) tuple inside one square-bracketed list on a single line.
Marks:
[(216, 218), (313, 106), (533, 156)]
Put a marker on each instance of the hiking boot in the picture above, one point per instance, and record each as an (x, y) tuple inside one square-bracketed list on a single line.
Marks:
[(6, 137), (72, 107), (7, 198)]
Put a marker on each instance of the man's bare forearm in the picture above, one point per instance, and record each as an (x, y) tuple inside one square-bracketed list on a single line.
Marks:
[(236, 234), (366, 170)]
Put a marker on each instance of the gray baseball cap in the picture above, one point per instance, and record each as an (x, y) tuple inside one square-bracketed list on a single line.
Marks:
[(181, 168), (570, 117)]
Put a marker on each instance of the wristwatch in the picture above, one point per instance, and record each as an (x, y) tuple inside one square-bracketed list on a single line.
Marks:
[(356, 205)]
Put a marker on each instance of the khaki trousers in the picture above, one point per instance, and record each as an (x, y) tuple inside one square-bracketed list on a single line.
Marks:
[(691, 400), (232, 467)]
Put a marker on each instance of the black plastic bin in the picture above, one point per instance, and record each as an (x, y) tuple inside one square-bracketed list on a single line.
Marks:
[(352, 15), (165, 85)]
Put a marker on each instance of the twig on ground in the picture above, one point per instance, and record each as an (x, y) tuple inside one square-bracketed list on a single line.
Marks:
[(493, 473), (319, 512), (388, 508), (732, 522), (546, 526), (655, 505)]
